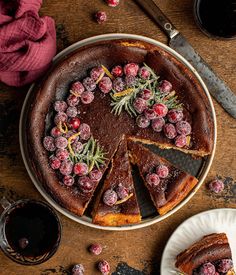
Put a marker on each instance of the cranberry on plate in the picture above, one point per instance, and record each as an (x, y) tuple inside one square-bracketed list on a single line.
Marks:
[(110, 197)]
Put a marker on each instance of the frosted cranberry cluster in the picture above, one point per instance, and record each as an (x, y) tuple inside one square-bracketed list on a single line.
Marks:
[(154, 177), (221, 267)]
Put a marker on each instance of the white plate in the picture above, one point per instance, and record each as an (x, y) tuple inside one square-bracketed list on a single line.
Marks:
[(193, 229)]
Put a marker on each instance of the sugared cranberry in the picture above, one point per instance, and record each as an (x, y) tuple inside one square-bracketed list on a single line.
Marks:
[(68, 180), (60, 106), (146, 94), (207, 269), (104, 267), (66, 167), (144, 73), (165, 86), (153, 179), (71, 111), (113, 3), (119, 84), (89, 84), (101, 17), (78, 270), (170, 131), (87, 97), (72, 100), (183, 128), (117, 71), (142, 121), (130, 80), (95, 175), (131, 69), (150, 113), (160, 109), (77, 88), (60, 117), (77, 147), (96, 73), (81, 169), (23, 243), (139, 105), (216, 186), (55, 132), (122, 191), (158, 124), (181, 141), (62, 154), (105, 85), (95, 249), (162, 171), (49, 144), (74, 123), (225, 265), (61, 142), (85, 131), (86, 185), (110, 197), (175, 115)]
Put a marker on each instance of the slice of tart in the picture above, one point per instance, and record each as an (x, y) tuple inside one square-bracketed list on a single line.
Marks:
[(117, 204), (211, 254), (167, 184)]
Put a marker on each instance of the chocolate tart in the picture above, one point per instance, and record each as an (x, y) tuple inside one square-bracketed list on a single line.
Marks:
[(211, 248), (126, 210), (172, 189), (106, 127)]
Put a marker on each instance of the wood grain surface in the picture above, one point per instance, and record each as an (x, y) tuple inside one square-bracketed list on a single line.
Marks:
[(139, 249)]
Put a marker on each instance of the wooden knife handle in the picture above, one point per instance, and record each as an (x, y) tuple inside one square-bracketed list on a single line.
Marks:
[(155, 13)]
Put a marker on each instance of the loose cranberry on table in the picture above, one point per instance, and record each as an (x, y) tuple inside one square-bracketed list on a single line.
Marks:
[(78, 270), (170, 131), (55, 132), (183, 128), (77, 88), (71, 111), (146, 94), (158, 124), (81, 169), (139, 105), (60, 106), (150, 113), (55, 163), (74, 123), (160, 109), (77, 147), (68, 180), (49, 143), (85, 131), (165, 87), (224, 265), (105, 85), (96, 72), (122, 192), (119, 84), (181, 141), (72, 100), (66, 167), (144, 73), (61, 142), (104, 267), (216, 186), (162, 171), (85, 184), (60, 117), (153, 179), (131, 69), (95, 175), (117, 71), (95, 248), (62, 154), (87, 97), (113, 3), (207, 269), (101, 17), (142, 121), (110, 197), (89, 84), (175, 115)]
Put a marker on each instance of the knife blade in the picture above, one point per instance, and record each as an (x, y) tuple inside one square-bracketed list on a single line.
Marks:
[(216, 86)]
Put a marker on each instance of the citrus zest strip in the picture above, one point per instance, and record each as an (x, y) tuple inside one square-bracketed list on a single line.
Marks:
[(125, 92), (171, 94), (69, 143), (75, 94), (188, 138), (100, 77), (125, 199), (65, 130), (107, 72)]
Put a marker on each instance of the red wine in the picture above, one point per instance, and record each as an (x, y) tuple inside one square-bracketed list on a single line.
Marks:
[(217, 17), (32, 229)]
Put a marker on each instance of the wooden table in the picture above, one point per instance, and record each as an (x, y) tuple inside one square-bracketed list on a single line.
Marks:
[(140, 249)]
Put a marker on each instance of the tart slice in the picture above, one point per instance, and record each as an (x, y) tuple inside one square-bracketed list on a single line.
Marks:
[(117, 204), (210, 255), (167, 184)]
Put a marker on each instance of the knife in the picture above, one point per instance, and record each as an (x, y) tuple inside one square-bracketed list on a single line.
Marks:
[(216, 86)]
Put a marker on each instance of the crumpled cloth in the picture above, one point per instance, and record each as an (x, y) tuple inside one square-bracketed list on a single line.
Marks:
[(27, 42)]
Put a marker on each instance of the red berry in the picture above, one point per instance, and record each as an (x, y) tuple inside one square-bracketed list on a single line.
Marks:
[(160, 109), (55, 163), (85, 132), (146, 94), (162, 171), (72, 100), (89, 84), (150, 113), (62, 154), (207, 269), (77, 88), (225, 265), (61, 142), (110, 197), (96, 72), (181, 141), (71, 111), (66, 167), (68, 180), (170, 131), (158, 124), (183, 128), (165, 86), (117, 71), (101, 17), (130, 80), (60, 117), (175, 115), (95, 249), (119, 84), (87, 97), (153, 179), (49, 144), (142, 121), (216, 186), (74, 123), (81, 169), (122, 192), (139, 105), (60, 106), (86, 185), (77, 147), (23, 243), (104, 267), (95, 175), (131, 69), (144, 73), (105, 85), (55, 132), (78, 270)]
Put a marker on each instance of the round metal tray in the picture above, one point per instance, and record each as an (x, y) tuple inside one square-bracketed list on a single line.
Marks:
[(197, 167)]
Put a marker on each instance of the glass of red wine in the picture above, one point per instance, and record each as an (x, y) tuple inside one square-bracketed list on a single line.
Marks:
[(30, 231), (216, 18)]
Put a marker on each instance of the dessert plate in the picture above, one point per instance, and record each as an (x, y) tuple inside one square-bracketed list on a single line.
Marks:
[(197, 167), (193, 229)]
